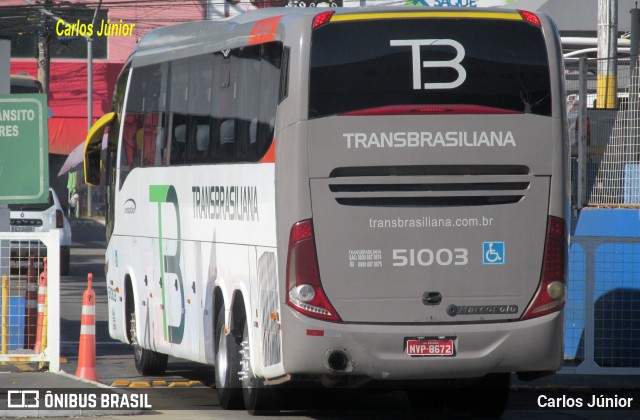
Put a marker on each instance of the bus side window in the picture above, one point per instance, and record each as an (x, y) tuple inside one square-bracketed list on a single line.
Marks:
[(160, 157), (197, 139), (149, 134), (129, 155), (142, 120), (179, 103), (199, 105), (178, 143), (271, 75), (253, 132), (202, 140), (249, 92), (227, 140), (223, 105), (162, 123)]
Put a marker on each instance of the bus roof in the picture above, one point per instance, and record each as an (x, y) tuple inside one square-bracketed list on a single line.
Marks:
[(194, 38)]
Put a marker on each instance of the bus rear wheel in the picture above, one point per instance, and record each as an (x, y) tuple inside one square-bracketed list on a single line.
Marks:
[(258, 398), (148, 362), (228, 384)]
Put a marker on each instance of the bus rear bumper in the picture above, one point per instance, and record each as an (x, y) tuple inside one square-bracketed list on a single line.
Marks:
[(378, 351)]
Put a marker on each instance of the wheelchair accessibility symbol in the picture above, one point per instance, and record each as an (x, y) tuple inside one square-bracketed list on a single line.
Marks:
[(493, 253)]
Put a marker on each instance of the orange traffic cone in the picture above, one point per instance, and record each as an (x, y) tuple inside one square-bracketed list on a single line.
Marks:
[(41, 329), (31, 310), (87, 352)]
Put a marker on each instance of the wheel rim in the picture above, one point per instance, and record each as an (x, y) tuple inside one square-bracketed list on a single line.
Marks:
[(245, 373), (221, 359), (137, 350)]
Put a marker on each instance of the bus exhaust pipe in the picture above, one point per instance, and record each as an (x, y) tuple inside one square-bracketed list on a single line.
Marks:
[(337, 360)]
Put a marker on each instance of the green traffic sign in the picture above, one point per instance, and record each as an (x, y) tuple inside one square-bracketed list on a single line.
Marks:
[(24, 149)]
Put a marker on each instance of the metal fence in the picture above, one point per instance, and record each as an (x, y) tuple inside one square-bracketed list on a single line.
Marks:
[(605, 143), (602, 315), (30, 297)]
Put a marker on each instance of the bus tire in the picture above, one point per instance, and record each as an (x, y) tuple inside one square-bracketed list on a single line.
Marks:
[(148, 362), (227, 365), (258, 398)]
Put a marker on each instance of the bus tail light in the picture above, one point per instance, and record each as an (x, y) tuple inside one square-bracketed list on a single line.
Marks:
[(530, 17), (551, 294), (321, 19), (304, 289)]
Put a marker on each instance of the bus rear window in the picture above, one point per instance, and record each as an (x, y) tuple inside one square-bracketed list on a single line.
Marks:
[(363, 65)]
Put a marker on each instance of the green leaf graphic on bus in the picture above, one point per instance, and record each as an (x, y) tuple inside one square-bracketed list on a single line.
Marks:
[(170, 264)]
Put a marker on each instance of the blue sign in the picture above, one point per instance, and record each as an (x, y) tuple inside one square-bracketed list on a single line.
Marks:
[(493, 253)]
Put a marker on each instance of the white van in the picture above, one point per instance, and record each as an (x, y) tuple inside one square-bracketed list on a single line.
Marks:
[(41, 217)]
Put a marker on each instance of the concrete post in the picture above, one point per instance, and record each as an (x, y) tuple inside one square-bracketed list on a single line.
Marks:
[(582, 135)]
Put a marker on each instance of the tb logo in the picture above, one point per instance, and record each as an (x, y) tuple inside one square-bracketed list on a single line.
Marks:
[(415, 45)]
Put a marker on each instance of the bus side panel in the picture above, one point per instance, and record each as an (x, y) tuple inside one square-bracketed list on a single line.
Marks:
[(561, 185), (268, 322), (206, 220), (147, 294), (188, 308), (134, 258), (233, 271), (208, 270), (293, 201), (115, 295)]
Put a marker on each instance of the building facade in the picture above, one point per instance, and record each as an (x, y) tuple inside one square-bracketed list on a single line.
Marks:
[(120, 24)]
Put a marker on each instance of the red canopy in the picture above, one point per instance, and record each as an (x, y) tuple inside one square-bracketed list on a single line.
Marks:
[(68, 98)]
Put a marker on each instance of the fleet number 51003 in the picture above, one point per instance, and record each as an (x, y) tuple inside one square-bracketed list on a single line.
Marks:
[(426, 257)]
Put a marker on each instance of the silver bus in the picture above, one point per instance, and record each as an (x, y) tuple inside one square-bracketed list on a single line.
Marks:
[(341, 197)]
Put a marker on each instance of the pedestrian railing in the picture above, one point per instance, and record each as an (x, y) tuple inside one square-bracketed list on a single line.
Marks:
[(30, 297)]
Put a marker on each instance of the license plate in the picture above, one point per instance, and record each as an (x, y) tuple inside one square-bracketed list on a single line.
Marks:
[(430, 347), (22, 229)]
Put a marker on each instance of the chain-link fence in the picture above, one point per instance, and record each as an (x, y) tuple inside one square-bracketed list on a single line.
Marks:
[(602, 315), (607, 174), (29, 297)]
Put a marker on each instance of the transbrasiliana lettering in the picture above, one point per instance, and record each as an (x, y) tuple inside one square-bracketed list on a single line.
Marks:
[(422, 139), (215, 202)]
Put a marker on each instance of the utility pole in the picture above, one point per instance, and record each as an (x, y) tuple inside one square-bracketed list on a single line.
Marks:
[(90, 98), (44, 46), (607, 94)]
